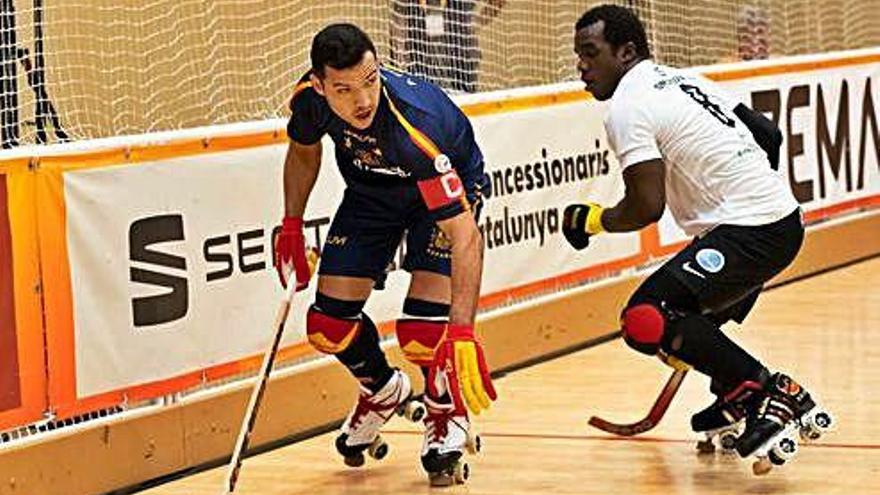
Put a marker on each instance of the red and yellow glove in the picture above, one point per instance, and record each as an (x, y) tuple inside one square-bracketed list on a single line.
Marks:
[(460, 357), (290, 254)]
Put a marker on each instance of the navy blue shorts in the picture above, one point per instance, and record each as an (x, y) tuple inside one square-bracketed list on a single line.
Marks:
[(370, 224)]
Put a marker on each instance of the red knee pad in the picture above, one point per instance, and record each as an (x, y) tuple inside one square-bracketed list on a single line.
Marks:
[(329, 334), (419, 338), (643, 327)]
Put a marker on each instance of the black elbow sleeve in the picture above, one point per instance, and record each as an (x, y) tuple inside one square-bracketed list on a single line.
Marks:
[(765, 132)]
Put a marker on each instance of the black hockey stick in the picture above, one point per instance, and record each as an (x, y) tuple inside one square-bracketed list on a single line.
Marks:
[(654, 415)]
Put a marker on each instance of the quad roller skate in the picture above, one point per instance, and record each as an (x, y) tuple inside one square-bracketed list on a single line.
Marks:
[(448, 436), (722, 423), (360, 431), (785, 414)]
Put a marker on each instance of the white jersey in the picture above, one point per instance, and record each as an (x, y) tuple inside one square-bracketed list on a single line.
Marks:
[(715, 171)]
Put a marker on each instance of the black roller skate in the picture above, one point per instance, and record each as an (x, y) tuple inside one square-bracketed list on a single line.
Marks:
[(360, 431), (722, 423), (784, 412), (447, 436)]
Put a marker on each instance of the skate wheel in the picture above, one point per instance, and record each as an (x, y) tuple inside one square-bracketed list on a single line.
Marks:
[(473, 444), (815, 425), (762, 466), (784, 449), (727, 441), (461, 473), (378, 449), (414, 411), (705, 446), (356, 460)]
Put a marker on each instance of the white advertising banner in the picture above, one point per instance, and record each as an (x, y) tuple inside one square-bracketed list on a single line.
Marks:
[(539, 161), (171, 260)]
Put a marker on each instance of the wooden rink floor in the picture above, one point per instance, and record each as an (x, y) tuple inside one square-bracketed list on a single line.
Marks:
[(824, 331)]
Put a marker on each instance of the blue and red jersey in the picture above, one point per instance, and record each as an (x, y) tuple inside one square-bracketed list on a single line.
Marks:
[(418, 136)]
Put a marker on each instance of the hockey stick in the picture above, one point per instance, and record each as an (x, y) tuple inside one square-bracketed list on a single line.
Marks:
[(654, 415), (250, 415)]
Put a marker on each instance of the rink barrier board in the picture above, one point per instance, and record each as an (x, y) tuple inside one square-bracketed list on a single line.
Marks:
[(200, 432), (22, 363)]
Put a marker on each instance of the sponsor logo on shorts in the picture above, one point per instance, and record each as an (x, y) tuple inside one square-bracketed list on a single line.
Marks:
[(337, 240), (686, 266), (710, 260)]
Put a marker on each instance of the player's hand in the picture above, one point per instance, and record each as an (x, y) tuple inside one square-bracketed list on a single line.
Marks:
[(580, 222), (290, 254), (460, 357)]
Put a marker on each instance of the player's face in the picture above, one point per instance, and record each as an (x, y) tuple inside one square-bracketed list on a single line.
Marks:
[(352, 93), (600, 65)]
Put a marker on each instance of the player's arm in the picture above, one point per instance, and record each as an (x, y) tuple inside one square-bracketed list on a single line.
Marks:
[(301, 167), (632, 129), (460, 355), (644, 199), (643, 203), (467, 266), (766, 133)]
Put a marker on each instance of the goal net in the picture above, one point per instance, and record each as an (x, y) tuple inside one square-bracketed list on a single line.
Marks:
[(99, 68)]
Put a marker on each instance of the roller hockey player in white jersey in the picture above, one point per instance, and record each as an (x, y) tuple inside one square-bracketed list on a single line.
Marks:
[(682, 142)]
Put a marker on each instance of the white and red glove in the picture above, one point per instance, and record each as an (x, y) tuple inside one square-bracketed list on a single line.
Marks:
[(460, 357), (290, 253)]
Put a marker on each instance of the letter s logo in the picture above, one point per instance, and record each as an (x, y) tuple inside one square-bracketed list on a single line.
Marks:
[(168, 306)]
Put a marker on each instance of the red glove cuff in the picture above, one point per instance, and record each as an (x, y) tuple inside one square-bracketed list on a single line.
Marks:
[(460, 332), (292, 223)]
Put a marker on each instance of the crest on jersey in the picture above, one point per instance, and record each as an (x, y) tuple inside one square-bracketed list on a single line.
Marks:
[(710, 260), (367, 156)]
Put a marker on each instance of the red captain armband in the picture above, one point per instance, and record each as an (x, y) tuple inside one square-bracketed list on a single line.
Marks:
[(442, 190)]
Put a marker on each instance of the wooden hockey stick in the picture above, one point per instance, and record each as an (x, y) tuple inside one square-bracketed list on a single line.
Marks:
[(654, 415), (250, 414)]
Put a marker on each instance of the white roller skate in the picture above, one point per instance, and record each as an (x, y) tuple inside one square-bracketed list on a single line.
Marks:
[(448, 436), (360, 431), (785, 413)]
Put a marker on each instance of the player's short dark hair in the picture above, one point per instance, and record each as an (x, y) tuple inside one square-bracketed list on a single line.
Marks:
[(622, 25), (339, 46)]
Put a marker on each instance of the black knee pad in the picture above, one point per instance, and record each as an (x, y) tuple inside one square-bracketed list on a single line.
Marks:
[(338, 308), (418, 308)]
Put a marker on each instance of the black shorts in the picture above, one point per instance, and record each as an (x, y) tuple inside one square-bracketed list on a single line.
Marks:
[(721, 272), (368, 228)]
